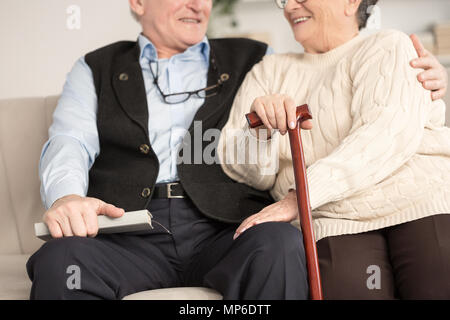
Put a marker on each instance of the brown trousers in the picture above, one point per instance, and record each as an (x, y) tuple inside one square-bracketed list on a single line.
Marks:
[(406, 261)]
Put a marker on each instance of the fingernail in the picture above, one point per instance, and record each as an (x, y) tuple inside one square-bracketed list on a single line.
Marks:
[(292, 124), (235, 236)]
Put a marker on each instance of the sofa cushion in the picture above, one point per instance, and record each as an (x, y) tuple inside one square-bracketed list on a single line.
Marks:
[(182, 293), (14, 281), (23, 131)]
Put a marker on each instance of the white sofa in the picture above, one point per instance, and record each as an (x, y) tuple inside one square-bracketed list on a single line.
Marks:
[(24, 127)]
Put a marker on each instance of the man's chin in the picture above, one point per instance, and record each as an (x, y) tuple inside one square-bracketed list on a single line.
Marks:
[(191, 41)]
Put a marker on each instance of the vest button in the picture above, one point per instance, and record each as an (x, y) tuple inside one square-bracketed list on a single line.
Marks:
[(224, 77), (146, 192), (123, 77), (144, 148)]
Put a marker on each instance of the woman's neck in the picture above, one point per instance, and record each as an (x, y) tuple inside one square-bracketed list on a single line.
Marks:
[(330, 41)]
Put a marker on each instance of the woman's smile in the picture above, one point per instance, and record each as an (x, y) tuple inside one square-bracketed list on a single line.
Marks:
[(300, 20)]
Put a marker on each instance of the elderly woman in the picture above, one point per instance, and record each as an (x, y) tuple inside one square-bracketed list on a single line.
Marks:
[(377, 154)]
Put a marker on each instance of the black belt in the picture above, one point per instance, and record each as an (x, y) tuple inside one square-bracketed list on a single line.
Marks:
[(172, 190)]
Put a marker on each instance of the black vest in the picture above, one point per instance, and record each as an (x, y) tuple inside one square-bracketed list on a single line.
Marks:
[(126, 170)]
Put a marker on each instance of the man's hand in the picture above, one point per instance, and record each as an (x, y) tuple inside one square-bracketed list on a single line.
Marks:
[(285, 210), (74, 215), (435, 77)]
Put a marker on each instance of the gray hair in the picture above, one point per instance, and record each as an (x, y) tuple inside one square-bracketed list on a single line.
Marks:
[(364, 13)]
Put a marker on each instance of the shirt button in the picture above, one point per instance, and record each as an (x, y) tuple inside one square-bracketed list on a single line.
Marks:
[(146, 192), (144, 148)]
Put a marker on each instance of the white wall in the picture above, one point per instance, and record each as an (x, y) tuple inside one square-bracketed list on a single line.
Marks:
[(37, 49)]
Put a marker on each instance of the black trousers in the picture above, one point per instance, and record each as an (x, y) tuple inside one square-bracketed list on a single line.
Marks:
[(265, 262), (410, 260)]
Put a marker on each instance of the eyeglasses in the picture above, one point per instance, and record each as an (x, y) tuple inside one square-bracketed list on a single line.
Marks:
[(283, 3), (180, 97)]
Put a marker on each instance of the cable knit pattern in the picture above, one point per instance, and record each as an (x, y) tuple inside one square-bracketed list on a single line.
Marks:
[(378, 154)]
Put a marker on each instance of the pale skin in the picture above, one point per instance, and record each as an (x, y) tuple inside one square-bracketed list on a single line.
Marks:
[(173, 26), (316, 36)]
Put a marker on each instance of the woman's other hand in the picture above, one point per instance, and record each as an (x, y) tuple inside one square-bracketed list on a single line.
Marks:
[(285, 210), (435, 77), (278, 111)]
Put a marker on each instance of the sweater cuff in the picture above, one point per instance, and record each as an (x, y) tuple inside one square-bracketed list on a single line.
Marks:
[(264, 151), (320, 189)]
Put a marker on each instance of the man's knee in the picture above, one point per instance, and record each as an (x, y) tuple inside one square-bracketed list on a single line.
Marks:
[(276, 254), (58, 249), (275, 239), (49, 267)]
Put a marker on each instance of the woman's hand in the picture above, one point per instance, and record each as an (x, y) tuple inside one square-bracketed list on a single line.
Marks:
[(277, 111), (435, 77), (285, 210)]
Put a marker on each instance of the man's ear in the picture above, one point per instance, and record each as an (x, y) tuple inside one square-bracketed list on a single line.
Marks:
[(137, 6), (351, 7)]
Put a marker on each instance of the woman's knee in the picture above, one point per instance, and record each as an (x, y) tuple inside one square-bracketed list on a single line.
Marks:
[(426, 289), (420, 255), (356, 267)]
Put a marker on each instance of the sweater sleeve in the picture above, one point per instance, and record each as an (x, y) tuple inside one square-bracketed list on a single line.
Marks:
[(389, 110), (243, 156)]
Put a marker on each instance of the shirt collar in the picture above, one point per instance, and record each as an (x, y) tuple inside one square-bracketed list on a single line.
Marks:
[(197, 52)]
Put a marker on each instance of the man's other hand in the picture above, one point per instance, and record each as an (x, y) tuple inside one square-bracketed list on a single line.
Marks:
[(435, 77), (74, 215)]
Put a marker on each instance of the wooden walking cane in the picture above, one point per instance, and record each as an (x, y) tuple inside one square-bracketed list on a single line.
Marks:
[(304, 208)]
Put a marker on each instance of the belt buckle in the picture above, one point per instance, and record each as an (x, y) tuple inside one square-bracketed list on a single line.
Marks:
[(169, 191)]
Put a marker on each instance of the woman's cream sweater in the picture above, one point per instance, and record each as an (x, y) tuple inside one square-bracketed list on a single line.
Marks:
[(378, 154)]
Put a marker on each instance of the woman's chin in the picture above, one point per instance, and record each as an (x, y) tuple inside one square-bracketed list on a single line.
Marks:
[(302, 36), (302, 40)]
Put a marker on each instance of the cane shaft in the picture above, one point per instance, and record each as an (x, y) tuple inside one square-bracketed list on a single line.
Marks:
[(304, 208), (306, 223)]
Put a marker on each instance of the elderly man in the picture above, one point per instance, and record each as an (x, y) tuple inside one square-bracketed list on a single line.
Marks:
[(114, 146)]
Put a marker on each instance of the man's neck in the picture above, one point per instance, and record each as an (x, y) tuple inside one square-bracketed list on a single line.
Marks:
[(166, 53), (163, 51)]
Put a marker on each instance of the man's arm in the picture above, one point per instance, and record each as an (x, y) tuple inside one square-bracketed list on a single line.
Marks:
[(73, 139), (435, 77), (67, 157)]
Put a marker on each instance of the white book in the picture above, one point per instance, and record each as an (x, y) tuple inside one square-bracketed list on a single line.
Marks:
[(130, 221)]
